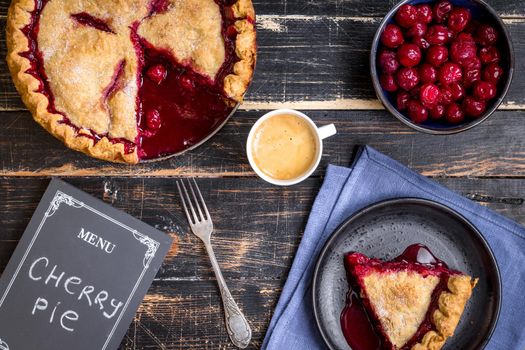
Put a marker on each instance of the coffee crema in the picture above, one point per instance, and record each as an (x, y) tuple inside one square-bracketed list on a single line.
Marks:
[(284, 147)]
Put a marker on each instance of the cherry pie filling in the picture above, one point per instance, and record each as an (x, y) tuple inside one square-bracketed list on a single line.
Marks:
[(176, 107), (359, 322)]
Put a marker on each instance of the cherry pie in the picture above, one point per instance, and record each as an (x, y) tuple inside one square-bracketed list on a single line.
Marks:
[(131, 80), (412, 302)]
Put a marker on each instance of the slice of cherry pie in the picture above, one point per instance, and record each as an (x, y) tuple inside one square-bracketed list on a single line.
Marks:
[(412, 302), (130, 80)]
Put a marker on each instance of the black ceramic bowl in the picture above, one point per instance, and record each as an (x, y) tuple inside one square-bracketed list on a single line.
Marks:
[(481, 12)]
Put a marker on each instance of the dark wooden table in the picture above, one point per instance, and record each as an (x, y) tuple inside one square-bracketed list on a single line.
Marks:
[(313, 56)]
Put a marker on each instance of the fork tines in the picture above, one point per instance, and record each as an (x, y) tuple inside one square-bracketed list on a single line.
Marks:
[(187, 202)]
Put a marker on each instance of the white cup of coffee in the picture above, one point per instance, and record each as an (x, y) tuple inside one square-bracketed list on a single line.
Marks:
[(285, 146)]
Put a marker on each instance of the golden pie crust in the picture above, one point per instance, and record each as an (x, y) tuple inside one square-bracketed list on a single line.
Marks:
[(451, 305), (401, 301), (85, 57)]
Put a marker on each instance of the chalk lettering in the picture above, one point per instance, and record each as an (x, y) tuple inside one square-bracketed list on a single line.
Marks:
[(51, 276), (71, 316), (118, 306), (53, 313), (71, 280), (100, 298), (87, 290), (33, 266), (42, 270), (40, 304)]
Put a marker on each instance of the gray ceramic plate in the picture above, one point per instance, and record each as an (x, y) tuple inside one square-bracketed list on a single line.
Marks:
[(383, 231)]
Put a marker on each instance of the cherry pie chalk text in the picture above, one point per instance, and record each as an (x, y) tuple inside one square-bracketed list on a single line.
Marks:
[(131, 80)]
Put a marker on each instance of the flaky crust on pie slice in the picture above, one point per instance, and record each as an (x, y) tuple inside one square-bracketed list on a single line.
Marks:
[(400, 301), (413, 301), (451, 304), (105, 147)]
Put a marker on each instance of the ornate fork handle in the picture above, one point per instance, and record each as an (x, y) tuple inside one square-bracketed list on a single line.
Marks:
[(238, 328)]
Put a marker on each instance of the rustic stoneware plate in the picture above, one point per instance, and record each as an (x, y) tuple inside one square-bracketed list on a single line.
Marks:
[(383, 231)]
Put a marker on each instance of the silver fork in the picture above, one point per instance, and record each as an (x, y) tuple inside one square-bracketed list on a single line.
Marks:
[(202, 226)]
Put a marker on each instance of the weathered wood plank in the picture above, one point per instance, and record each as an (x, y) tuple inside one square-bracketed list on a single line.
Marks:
[(506, 8), (309, 62), (495, 148), (189, 314), (258, 226)]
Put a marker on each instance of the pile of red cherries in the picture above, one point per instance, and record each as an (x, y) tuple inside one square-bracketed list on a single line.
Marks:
[(440, 64)]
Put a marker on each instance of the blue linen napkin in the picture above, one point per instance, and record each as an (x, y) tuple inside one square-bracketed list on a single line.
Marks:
[(375, 177)]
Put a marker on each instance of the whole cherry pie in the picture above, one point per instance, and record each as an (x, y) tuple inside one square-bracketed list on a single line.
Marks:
[(413, 302), (131, 80)]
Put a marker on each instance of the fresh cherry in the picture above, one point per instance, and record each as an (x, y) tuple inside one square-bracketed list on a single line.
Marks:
[(463, 36), (401, 100), (470, 77), (418, 30), (157, 73), (407, 16), (388, 82), (437, 35), (416, 111), (454, 114), (449, 73), (437, 55), (462, 51), (473, 63), (409, 55), (392, 36), (446, 95), (429, 95), (457, 90), (486, 35), (484, 90), (424, 13), (473, 108), (458, 19), (153, 119), (388, 62), (421, 42), (427, 73), (492, 73), (437, 112), (489, 54), (407, 78), (441, 11)]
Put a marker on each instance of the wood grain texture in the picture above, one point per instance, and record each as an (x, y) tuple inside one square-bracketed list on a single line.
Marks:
[(493, 149), (258, 226), (258, 229), (314, 55), (188, 315)]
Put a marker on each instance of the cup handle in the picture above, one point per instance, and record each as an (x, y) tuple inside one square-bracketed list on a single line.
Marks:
[(327, 131)]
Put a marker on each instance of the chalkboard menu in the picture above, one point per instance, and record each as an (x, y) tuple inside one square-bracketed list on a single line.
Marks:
[(78, 274)]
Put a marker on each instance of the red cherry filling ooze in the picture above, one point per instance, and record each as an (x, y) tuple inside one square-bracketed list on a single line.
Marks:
[(361, 328), (437, 61), (176, 107)]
